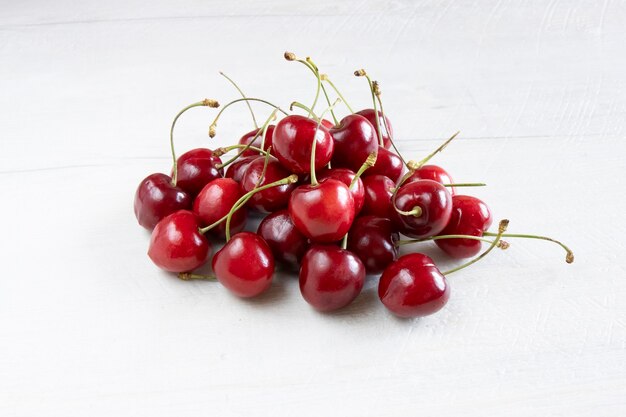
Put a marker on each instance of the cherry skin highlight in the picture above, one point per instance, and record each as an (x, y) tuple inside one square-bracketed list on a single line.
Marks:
[(287, 244), (370, 115), (431, 172), (346, 176), (470, 216), (388, 164), (215, 201), (378, 192), (330, 277), (156, 198), (355, 139), (413, 286), (244, 265), (197, 168), (177, 245), (373, 239), (248, 137), (274, 198)]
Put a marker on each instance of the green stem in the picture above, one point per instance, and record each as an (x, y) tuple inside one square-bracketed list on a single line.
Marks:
[(305, 108), (569, 257), (344, 242), (369, 162), (319, 83), (214, 123), (393, 143), (325, 78), (314, 144), (470, 237), (415, 212), (188, 276), (332, 112), (256, 126), (362, 73), (466, 184), (435, 152), (265, 127)]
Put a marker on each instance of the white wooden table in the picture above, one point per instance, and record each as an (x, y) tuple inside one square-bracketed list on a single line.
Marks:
[(89, 327)]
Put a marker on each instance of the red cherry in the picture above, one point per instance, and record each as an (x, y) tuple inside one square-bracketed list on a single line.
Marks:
[(470, 216), (288, 245), (244, 265), (197, 168), (247, 138), (274, 198), (322, 212), (370, 115), (388, 164), (327, 123), (378, 192), (177, 245), (413, 286), (355, 138), (236, 169), (156, 198), (431, 172), (373, 239), (330, 277), (293, 137), (346, 176), (430, 204), (215, 201)]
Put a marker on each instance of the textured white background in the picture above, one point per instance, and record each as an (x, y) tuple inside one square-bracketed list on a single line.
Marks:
[(89, 327)]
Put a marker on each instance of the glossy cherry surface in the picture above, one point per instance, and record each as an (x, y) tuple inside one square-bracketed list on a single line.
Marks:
[(370, 115), (373, 239), (248, 137), (470, 216), (237, 168), (244, 265), (177, 245), (413, 286), (330, 277), (322, 212), (432, 172), (156, 198), (215, 201), (355, 138), (293, 137), (196, 169), (378, 192), (429, 197), (274, 198), (388, 164), (288, 245), (346, 176)]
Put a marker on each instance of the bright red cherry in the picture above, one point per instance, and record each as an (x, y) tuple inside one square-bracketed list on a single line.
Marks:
[(293, 137), (429, 205), (327, 123), (355, 139), (288, 245), (470, 216), (388, 164), (156, 198), (322, 212), (274, 198), (330, 277), (346, 176), (248, 137), (236, 169), (413, 286), (177, 245), (378, 192), (215, 201), (370, 115), (245, 265), (197, 168), (373, 239), (431, 172)]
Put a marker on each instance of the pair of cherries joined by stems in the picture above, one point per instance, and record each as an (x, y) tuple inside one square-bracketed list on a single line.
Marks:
[(336, 196)]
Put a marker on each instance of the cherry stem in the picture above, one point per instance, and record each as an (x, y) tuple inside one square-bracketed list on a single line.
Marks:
[(502, 244), (204, 103), (290, 56), (324, 77), (265, 127), (256, 125), (264, 170), (370, 161), (416, 212), (188, 276), (423, 162), (314, 144), (382, 112), (569, 257), (344, 241), (362, 73), (305, 108), (466, 184), (214, 123), (501, 229)]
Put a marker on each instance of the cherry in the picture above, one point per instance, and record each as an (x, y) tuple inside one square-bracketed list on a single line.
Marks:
[(378, 192), (256, 137), (215, 201), (287, 244), (413, 286), (373, 239), (177, 245), (330, 277), (244, 265), (274, 198), (293, 137), (388, 164), (370, 115), (197, 168), (156, 198), (355, 139), (431, 172), (347, 176), (327, 124), (422, 208), (236, 169)]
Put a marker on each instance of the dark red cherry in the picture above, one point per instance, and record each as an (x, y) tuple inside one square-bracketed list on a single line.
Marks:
[(470, 216), (197, 168), (373, 239), (378, 192), (215, 201), (177, 245), (431, 172), (288, 245), (156, 198), (293, 137), (244, 265), (370, 115), (236, 169), (413, 286), (346, 176), (247, 138), (330, 277), (355, 138), (274, 198), (431, 204), (388, 164), (322, 212)]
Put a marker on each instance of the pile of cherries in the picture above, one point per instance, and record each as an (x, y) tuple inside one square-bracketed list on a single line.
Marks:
[(336, 199)]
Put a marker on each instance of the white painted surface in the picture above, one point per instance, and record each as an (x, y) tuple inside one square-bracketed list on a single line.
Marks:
[(88, 327)]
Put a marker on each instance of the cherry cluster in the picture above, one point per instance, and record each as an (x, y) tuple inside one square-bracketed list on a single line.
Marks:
[(336, 198)]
